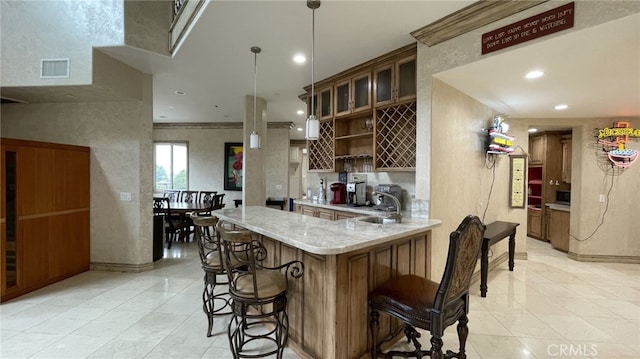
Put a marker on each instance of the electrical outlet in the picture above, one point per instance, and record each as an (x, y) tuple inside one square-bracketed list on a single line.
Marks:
[(603, 198), (125, 196)]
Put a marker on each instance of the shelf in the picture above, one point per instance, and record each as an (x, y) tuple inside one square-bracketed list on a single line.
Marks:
[(534, 208), (358, 135), (535, 182), (536, 197), (348, 157)]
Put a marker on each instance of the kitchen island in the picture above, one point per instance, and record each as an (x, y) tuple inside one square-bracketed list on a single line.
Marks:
[(344, 260)]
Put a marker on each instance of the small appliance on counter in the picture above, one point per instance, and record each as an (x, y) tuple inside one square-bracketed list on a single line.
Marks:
[(339, 191), (356, 194), (384, 203)]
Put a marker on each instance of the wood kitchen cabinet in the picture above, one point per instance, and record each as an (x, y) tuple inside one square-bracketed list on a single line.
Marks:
[(566, 158), (395, 81), (534, 223), (45, 214), (353, 94), (362, 134), (559, 229), (544, 178), (322, 103), (318, 212)]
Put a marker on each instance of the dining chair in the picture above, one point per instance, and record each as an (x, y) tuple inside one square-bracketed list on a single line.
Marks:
[(218, 202), (188, 196), (172, 194), (206, 196), (421, 303), (258, 294), (174, 224)]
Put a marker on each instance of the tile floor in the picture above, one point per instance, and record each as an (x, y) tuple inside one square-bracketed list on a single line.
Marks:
[(549, 307)]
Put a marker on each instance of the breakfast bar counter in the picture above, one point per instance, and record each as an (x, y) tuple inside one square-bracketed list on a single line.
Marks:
[(343, 261)]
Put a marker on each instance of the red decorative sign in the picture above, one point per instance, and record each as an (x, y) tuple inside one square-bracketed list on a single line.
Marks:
[(546, 23)]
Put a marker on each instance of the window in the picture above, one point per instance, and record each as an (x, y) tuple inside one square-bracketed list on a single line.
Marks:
[(171, 165)]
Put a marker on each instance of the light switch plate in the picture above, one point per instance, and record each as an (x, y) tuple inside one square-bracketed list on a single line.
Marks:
[(125, 196)]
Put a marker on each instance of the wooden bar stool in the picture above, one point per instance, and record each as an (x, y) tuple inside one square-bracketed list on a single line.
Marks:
[(258, 294), (212, 265)]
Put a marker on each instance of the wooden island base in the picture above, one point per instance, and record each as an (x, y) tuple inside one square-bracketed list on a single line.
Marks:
[(328, 311)]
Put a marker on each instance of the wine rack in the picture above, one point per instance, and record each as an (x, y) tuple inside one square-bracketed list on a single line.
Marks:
[(321, 155), (395, 142)]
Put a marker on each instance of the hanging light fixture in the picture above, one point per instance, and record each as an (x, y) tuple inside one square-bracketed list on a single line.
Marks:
[(312, 123), (254, 139)]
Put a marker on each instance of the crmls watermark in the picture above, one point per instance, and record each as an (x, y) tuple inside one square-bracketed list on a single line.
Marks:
[(561, 350)]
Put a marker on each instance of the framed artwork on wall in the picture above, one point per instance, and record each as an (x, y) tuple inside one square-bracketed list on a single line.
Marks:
[(233, 168)]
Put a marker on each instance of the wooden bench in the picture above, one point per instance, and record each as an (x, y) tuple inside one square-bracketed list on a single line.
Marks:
[(494, 233)]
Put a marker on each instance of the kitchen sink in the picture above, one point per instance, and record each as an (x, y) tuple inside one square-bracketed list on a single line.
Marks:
[(377, 219)]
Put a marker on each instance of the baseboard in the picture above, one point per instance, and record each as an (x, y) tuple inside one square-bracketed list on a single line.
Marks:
[(121, 267), (603, 258)]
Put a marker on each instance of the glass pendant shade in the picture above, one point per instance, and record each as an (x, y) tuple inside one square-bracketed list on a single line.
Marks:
[(254, 140), (313, 128)]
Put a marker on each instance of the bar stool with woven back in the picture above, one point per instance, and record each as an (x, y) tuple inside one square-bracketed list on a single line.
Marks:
[(432, 306), (213, 303), (258, 294)]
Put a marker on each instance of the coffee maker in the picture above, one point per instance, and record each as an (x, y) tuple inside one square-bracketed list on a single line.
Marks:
[(356, 194), (385, 203), (339, 192)]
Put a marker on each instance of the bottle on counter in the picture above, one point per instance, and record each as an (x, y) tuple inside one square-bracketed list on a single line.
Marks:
[(321, 192)]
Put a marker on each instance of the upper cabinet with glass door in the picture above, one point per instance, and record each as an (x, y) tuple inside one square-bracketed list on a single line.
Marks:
[(322, 103), (395, 81), (353, 94)]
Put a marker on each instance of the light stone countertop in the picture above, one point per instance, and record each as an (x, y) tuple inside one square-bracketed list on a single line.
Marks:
[(321, 236), (559, 207)]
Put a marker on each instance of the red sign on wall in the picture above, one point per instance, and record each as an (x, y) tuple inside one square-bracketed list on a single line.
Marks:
[(548, 22)]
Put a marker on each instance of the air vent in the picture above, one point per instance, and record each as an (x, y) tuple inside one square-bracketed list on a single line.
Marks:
[(55, 69)]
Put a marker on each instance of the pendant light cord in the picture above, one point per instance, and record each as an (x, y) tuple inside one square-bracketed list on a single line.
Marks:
[(255, 85), (313, 45)]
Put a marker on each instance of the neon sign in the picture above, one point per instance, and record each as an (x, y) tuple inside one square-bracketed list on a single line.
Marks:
[(615, 140)]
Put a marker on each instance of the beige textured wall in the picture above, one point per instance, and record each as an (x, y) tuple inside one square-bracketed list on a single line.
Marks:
[(277, 160), (462, 174), (463, 50), (119, 135), (147, 23), (618, 236), (28, 36)]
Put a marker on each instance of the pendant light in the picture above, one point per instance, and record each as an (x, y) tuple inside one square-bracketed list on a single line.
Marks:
[(254, 139), (312, 123)]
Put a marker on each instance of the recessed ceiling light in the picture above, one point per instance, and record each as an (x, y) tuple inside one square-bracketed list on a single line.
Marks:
[(172, 107), (532, 130), (300, 112), (561, 107), (299, 59), (180, 93), (299, 129), (534, 74)]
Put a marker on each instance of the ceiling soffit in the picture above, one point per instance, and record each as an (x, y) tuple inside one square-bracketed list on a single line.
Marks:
[(470, 18)]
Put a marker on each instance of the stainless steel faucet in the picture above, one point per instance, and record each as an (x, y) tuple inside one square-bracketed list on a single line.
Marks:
[(397, 216)]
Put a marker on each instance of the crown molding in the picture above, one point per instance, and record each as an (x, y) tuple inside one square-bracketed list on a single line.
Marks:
[(214, 125), (470, 18)]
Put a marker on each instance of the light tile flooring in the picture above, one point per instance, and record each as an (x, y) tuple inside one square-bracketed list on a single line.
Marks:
[(549, 307)]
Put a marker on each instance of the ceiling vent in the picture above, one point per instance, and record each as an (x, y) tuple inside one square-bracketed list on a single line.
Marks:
[(54, 69)]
